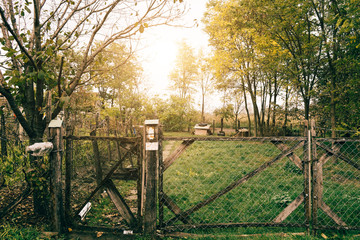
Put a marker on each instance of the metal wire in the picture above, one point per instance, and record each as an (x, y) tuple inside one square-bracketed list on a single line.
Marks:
[(228, 182)]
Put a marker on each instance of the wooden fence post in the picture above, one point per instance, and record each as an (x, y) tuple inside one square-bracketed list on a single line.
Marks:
[(317, 179), (151, 138), (161, 178), (57, 213), (307, 173), (68, 174)]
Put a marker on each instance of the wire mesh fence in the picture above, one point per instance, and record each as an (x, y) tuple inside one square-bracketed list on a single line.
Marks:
[(336, 175), (228, 182), (212, 182), (91, 161)]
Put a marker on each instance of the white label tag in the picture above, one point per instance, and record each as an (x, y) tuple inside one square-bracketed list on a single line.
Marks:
[(152, 146), (128, 232), (85, 210)]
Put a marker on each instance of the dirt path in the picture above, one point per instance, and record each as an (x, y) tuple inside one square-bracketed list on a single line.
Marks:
[(168, 149)]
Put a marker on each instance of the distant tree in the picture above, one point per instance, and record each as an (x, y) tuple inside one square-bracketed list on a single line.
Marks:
[(205, 80), (175, 113), (116, 73), (185, 71)]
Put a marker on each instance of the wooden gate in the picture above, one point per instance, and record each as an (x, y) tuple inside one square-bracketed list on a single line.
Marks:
[(108, 172), (281, 153), (280, 182)]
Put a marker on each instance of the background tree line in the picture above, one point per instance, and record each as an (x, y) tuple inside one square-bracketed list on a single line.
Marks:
[(290, 49)]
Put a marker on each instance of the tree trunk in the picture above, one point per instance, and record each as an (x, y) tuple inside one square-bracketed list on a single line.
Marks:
[(287, 93), (3, 136), (274, 103), (97, 159), (203, 108), (307, 107), (333, 110), (40, 185), (247, 110), (222, 124), (269, 109)]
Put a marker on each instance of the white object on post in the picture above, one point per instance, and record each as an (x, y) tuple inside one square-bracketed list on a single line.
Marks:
[(40, 149)]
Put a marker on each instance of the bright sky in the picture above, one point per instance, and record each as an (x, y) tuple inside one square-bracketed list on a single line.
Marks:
[(161, 47)]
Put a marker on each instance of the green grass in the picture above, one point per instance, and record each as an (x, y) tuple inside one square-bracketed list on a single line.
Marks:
[(208, 167), (8, 232), (177, 134)]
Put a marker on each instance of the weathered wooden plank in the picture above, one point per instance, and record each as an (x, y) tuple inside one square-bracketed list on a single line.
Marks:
[(177, 153), (233, 185), (293, 157), (97, 159), (120, 203), (182, 235), (56, 190), (126, 174), (150, 211), (289, 209), (317, 187), (230, 225), (105, 138), (161, 178), (345, 159), (331, 214), (307, 176), (106, 178), (245, 139), (325, 158), (68, 176), (174, 208)]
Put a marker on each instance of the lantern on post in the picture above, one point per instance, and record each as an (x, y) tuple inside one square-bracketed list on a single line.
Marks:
[(152, 135)]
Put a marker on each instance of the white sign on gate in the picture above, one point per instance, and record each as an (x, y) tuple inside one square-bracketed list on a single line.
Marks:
[(152, 146)]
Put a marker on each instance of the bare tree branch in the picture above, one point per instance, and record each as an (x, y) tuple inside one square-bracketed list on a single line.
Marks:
[(22, 48)]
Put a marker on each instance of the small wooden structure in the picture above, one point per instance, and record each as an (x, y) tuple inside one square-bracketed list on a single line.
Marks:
[(202, 129), (242, 132)]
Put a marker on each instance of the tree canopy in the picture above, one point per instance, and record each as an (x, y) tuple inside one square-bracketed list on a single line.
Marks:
[(269, 48)]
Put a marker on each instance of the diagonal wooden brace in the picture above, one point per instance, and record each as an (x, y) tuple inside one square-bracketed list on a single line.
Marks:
[(105, 180), (293, 157), (120, 203), (177, 153), (174, 208), (345, 159), (289, 209), (331, 214)]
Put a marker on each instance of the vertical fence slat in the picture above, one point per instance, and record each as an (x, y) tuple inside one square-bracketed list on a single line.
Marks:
[(307, 174), (55, 180), (68, 175), (161, 179)]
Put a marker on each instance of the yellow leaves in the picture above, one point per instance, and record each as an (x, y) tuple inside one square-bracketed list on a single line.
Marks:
[(99, 234), (142, 27), (69, 229)]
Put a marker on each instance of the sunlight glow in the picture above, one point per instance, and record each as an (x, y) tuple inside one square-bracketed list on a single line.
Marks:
[(161, 48)]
